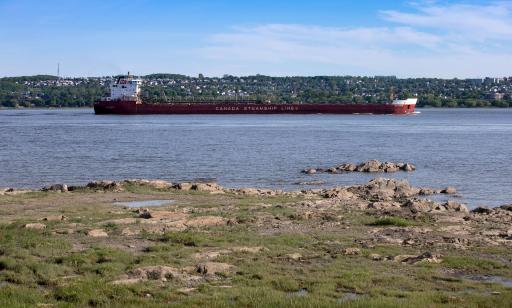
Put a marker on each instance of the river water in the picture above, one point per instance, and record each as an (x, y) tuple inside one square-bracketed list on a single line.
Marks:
[(470, 149)]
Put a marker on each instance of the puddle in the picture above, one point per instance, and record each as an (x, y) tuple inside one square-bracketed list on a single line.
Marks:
[(490, 279), (348, 297), (144, 203), (300, 293)]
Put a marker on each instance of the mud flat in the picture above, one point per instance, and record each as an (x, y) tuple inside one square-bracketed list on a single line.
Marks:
[(382, 243)]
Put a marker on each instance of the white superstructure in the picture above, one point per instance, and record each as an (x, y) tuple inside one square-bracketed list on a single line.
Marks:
[(409, 101), (126, 88)]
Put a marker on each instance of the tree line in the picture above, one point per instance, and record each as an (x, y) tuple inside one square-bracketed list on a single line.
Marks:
[(51, 91)]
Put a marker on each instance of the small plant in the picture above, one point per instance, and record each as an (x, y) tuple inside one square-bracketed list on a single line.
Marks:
[(184, 238)]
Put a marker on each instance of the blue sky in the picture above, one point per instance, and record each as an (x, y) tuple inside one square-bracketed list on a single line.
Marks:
[(281, 38)]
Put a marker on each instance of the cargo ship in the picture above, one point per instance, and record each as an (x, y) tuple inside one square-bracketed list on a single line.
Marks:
[(125, 99)]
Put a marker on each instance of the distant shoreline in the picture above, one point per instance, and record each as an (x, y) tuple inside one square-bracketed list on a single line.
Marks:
[(418, 107)]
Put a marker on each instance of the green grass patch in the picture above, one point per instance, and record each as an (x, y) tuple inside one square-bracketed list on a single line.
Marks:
[(474, 265)]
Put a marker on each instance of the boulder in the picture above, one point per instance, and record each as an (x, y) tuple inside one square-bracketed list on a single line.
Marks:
[(56, 188), (104, 185), (427, 257), (507, 207), (154, 272), (449, 190), (348, 167), (370, 166), (294, 256), (419, 205), (310, 183), (408, 167), (157, 184), (208, 187), (482, 210), (390, 167), (35, 226), (351, 251), (455, 206), (309, 171), (144, 213), (387, 188), (375, 257)]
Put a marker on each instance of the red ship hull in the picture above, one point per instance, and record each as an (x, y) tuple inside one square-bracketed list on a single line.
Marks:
[(131, 107)]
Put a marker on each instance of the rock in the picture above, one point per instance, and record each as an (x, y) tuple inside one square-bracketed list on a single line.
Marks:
[(375, 257), (104, 185), (309, 171), (258, 192), (35, 226), (419, 205), (425, 257), (97, 233), (449, 190), (351, 251), (389, 167), (154, 272), (310, 183), (157, 184), (294, 256), (402, 258), (370, 166), (507, 207), (208, 187), (455, 206), (424, 191), (144, 213), (337, 193), (366, 166), (212, 268), (482, 210), (56, 187), (380, 205), (408, 167), (348, 167)]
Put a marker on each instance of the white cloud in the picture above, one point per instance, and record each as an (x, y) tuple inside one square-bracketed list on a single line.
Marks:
[(445, 41), (480, 22)]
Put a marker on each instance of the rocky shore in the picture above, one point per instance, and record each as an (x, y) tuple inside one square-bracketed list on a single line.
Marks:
[(212, 243), (366, 166)]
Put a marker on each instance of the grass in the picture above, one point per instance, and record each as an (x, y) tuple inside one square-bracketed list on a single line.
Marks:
[(392, 221)]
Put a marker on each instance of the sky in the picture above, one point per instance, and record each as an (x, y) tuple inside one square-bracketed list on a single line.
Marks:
[(424, 38)]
